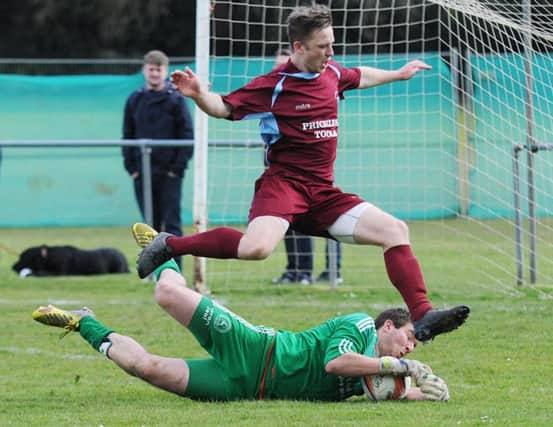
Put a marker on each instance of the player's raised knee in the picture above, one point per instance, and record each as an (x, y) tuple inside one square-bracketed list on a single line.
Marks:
[(398, 232), (164, 293), (255, 251), (402, 228)]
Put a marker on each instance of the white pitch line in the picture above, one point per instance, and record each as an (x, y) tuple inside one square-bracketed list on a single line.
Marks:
[(36, 351), (41, 302), (68, 302)]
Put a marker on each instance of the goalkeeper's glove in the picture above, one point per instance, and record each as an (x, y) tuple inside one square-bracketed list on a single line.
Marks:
[(418, 369), (433, 388), (403, 367)]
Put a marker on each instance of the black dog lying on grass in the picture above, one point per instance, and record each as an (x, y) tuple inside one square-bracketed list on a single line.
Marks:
[(68, 260)]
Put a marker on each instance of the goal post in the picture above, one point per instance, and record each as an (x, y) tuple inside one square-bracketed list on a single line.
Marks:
[(437, 149), (200, 212)]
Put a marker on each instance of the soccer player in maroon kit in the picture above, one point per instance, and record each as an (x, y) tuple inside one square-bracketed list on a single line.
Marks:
[(297, 105)]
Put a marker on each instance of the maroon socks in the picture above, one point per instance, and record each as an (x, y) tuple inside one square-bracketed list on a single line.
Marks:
[(221, 243), (405, 274)]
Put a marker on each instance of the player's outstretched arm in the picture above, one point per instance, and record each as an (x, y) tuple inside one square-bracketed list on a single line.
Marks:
[(188, 84), (355, 364), (375, 76)]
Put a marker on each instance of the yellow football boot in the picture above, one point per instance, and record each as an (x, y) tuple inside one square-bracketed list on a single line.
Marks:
[(143, 234), (68, 320)]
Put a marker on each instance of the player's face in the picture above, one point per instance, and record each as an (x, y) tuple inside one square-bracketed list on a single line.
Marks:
[(155, 75), (317, 50), (397, 342)]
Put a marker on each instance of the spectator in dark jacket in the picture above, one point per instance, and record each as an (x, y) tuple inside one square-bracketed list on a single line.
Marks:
[(157, 111)]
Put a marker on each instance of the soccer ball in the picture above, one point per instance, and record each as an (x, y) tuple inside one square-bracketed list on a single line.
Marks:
[(384, 387)]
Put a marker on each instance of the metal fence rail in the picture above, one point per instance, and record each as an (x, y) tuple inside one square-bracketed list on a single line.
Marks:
[(74, 66), (531, 150), (145, 148)]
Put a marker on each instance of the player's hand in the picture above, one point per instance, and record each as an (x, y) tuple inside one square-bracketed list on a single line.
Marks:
[(403, 367), (417, 369), (433, 388), (393, 365), (186, 82), (411, 68)]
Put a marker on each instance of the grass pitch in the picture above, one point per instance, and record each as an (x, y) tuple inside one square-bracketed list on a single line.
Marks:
[(497, 366)]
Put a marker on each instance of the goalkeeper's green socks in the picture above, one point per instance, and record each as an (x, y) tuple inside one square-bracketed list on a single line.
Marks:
[(172, 264), (95, 334)]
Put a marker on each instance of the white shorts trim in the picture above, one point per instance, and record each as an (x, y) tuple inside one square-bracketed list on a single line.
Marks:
[(342, 229), (284, 223)]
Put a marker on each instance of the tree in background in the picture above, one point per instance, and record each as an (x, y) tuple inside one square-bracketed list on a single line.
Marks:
[(96, 29), (127, 28)]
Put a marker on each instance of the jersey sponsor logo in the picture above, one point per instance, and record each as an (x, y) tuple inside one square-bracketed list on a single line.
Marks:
[(320, 128), (208, 314), (327, 133), (302, 107), (345, 346), (265, 330), (320, 124), (366, 323), (222, 324)]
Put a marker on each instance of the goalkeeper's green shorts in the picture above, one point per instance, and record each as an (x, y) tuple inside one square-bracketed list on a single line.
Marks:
[(238, 351)]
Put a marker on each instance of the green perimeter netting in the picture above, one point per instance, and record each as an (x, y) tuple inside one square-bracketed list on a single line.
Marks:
[(398, 148)]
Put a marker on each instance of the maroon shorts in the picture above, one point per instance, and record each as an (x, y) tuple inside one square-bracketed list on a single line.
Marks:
[(310, 206)]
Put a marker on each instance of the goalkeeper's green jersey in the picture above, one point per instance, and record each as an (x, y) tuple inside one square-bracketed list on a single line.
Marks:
[(296, 368)]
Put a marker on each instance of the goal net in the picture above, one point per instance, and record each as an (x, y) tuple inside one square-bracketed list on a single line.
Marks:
[(440, 151)]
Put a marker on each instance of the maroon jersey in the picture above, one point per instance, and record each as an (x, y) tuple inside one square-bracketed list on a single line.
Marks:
[(298, 115)]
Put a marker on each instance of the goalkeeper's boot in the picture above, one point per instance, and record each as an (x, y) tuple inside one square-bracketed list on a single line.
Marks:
[(153, 255), (143, 234), (68, 320), (436, 322)]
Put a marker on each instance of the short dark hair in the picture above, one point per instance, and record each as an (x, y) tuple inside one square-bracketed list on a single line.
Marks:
[(156, 57), (399, 317), (303, 20)]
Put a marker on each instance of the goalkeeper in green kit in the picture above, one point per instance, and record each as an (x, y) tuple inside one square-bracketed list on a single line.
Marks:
[(324, 363)]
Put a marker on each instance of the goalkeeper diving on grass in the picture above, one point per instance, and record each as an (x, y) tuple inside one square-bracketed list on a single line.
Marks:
[(297, 105), (327, 362)]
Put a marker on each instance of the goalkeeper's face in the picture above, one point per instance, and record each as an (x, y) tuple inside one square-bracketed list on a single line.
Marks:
[(315, 52), (396, 342)]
